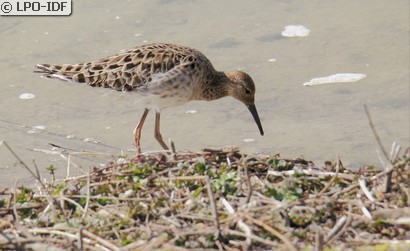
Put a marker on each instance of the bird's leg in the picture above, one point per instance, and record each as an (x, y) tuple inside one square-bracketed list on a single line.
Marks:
[(137, 130), (157, 133)]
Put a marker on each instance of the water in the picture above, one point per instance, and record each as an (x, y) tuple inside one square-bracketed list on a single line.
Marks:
[(369, 37)]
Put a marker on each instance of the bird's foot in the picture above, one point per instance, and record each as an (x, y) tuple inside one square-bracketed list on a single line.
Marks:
[(173, 151)]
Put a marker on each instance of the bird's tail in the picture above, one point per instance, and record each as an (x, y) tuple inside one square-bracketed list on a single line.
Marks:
[(66, 72)]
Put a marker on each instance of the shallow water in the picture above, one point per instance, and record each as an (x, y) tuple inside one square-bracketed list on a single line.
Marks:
[(319, 122)]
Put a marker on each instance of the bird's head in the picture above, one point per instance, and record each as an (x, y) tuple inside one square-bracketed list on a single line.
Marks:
[(243, 89)]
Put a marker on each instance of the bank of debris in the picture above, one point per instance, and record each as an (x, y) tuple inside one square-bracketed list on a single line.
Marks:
[(213, 200)]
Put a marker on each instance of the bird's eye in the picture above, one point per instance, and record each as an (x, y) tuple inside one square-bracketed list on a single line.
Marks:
[(247, 91)]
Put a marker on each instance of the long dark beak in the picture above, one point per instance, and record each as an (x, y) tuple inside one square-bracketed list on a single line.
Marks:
[(252, 109)]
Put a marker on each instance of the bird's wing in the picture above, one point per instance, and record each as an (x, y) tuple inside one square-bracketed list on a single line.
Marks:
[(138, 69)]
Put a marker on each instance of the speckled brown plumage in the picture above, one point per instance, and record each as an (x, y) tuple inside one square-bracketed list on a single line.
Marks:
[(168, 74)]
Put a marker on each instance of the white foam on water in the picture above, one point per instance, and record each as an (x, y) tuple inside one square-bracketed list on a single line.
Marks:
[(27, 96), (37, 129), (295, 31), (336, 78), (248, 140)]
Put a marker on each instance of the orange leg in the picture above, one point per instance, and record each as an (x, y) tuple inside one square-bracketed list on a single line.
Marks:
[(157, 133), (137, 130)]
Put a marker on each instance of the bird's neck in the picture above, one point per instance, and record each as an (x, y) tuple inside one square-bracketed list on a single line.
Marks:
[(217, 88)]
